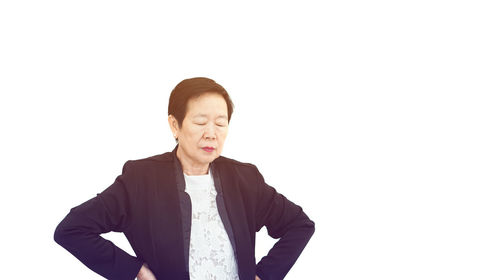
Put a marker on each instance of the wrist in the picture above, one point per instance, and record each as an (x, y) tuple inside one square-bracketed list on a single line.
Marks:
[(141, 271)]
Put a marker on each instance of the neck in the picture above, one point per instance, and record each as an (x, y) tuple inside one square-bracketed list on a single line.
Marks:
[(189, 167)]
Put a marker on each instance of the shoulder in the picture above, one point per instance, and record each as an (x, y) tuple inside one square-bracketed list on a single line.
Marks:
[(146, 163), (236, 168), (222, 160)]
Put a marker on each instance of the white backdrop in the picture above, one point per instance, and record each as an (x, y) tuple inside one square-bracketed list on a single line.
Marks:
[(380, 118)]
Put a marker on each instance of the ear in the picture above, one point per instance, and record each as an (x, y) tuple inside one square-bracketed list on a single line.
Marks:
[(174, 125)]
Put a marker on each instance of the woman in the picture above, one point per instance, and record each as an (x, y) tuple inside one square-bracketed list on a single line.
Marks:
[(190, 213)]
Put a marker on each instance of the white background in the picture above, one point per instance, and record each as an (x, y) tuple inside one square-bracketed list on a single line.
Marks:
[(380, 118)]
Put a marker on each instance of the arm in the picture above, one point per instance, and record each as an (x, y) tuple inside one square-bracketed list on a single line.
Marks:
[(285, 220), (79, 232)]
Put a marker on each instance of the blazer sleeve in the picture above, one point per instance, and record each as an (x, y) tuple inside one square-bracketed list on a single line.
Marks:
[(79, 232), (284, 220)]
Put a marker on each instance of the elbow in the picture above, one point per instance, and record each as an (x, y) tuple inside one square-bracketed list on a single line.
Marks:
[(308, 228), (59, 236), (307, 224), (312, 227), (64, 232)]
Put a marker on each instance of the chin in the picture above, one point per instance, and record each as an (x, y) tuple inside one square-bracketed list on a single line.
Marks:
[(204, 155)]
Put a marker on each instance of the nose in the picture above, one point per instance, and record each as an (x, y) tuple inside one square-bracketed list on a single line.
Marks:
[(209, 132)]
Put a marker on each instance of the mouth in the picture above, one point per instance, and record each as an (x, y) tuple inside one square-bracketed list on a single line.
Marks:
[(208, 149)]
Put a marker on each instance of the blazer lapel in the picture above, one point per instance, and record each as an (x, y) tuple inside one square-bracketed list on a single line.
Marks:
[(185, 206), (237, 227), (168, 220)]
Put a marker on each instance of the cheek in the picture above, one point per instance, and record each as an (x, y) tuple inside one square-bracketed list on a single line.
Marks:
[(221, 134), (195, 133), (221, 137), (222, 130)]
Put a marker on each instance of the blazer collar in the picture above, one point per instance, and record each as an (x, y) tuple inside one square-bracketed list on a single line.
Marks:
[(179, 175)]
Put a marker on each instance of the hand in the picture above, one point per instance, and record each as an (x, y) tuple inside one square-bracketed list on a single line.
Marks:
[(257, 277), (145, 273)]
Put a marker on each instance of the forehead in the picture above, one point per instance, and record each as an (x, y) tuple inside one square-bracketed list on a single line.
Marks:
[(207, 104)]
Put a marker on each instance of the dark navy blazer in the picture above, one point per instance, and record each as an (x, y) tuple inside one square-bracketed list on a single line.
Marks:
[(147, 202)]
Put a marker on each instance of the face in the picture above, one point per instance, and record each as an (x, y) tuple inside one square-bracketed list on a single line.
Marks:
[(205, 126)]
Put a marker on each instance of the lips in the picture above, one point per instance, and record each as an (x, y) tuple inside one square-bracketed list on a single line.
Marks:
[(208, 149)]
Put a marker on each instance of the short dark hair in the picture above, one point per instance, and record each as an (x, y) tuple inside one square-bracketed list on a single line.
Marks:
[(192, 88)]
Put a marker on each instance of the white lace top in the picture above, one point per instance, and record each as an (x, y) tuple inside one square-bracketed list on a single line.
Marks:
[(211, 255)]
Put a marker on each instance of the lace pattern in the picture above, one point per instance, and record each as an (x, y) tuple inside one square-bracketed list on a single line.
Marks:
[(211, 255)]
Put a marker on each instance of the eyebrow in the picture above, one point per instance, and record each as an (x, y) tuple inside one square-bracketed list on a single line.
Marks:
[(205, 116)]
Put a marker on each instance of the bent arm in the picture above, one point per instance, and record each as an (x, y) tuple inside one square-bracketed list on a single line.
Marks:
[(79, 232), (286, 221)]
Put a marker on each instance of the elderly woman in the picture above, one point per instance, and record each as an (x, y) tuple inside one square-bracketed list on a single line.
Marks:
[(190, 213)]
